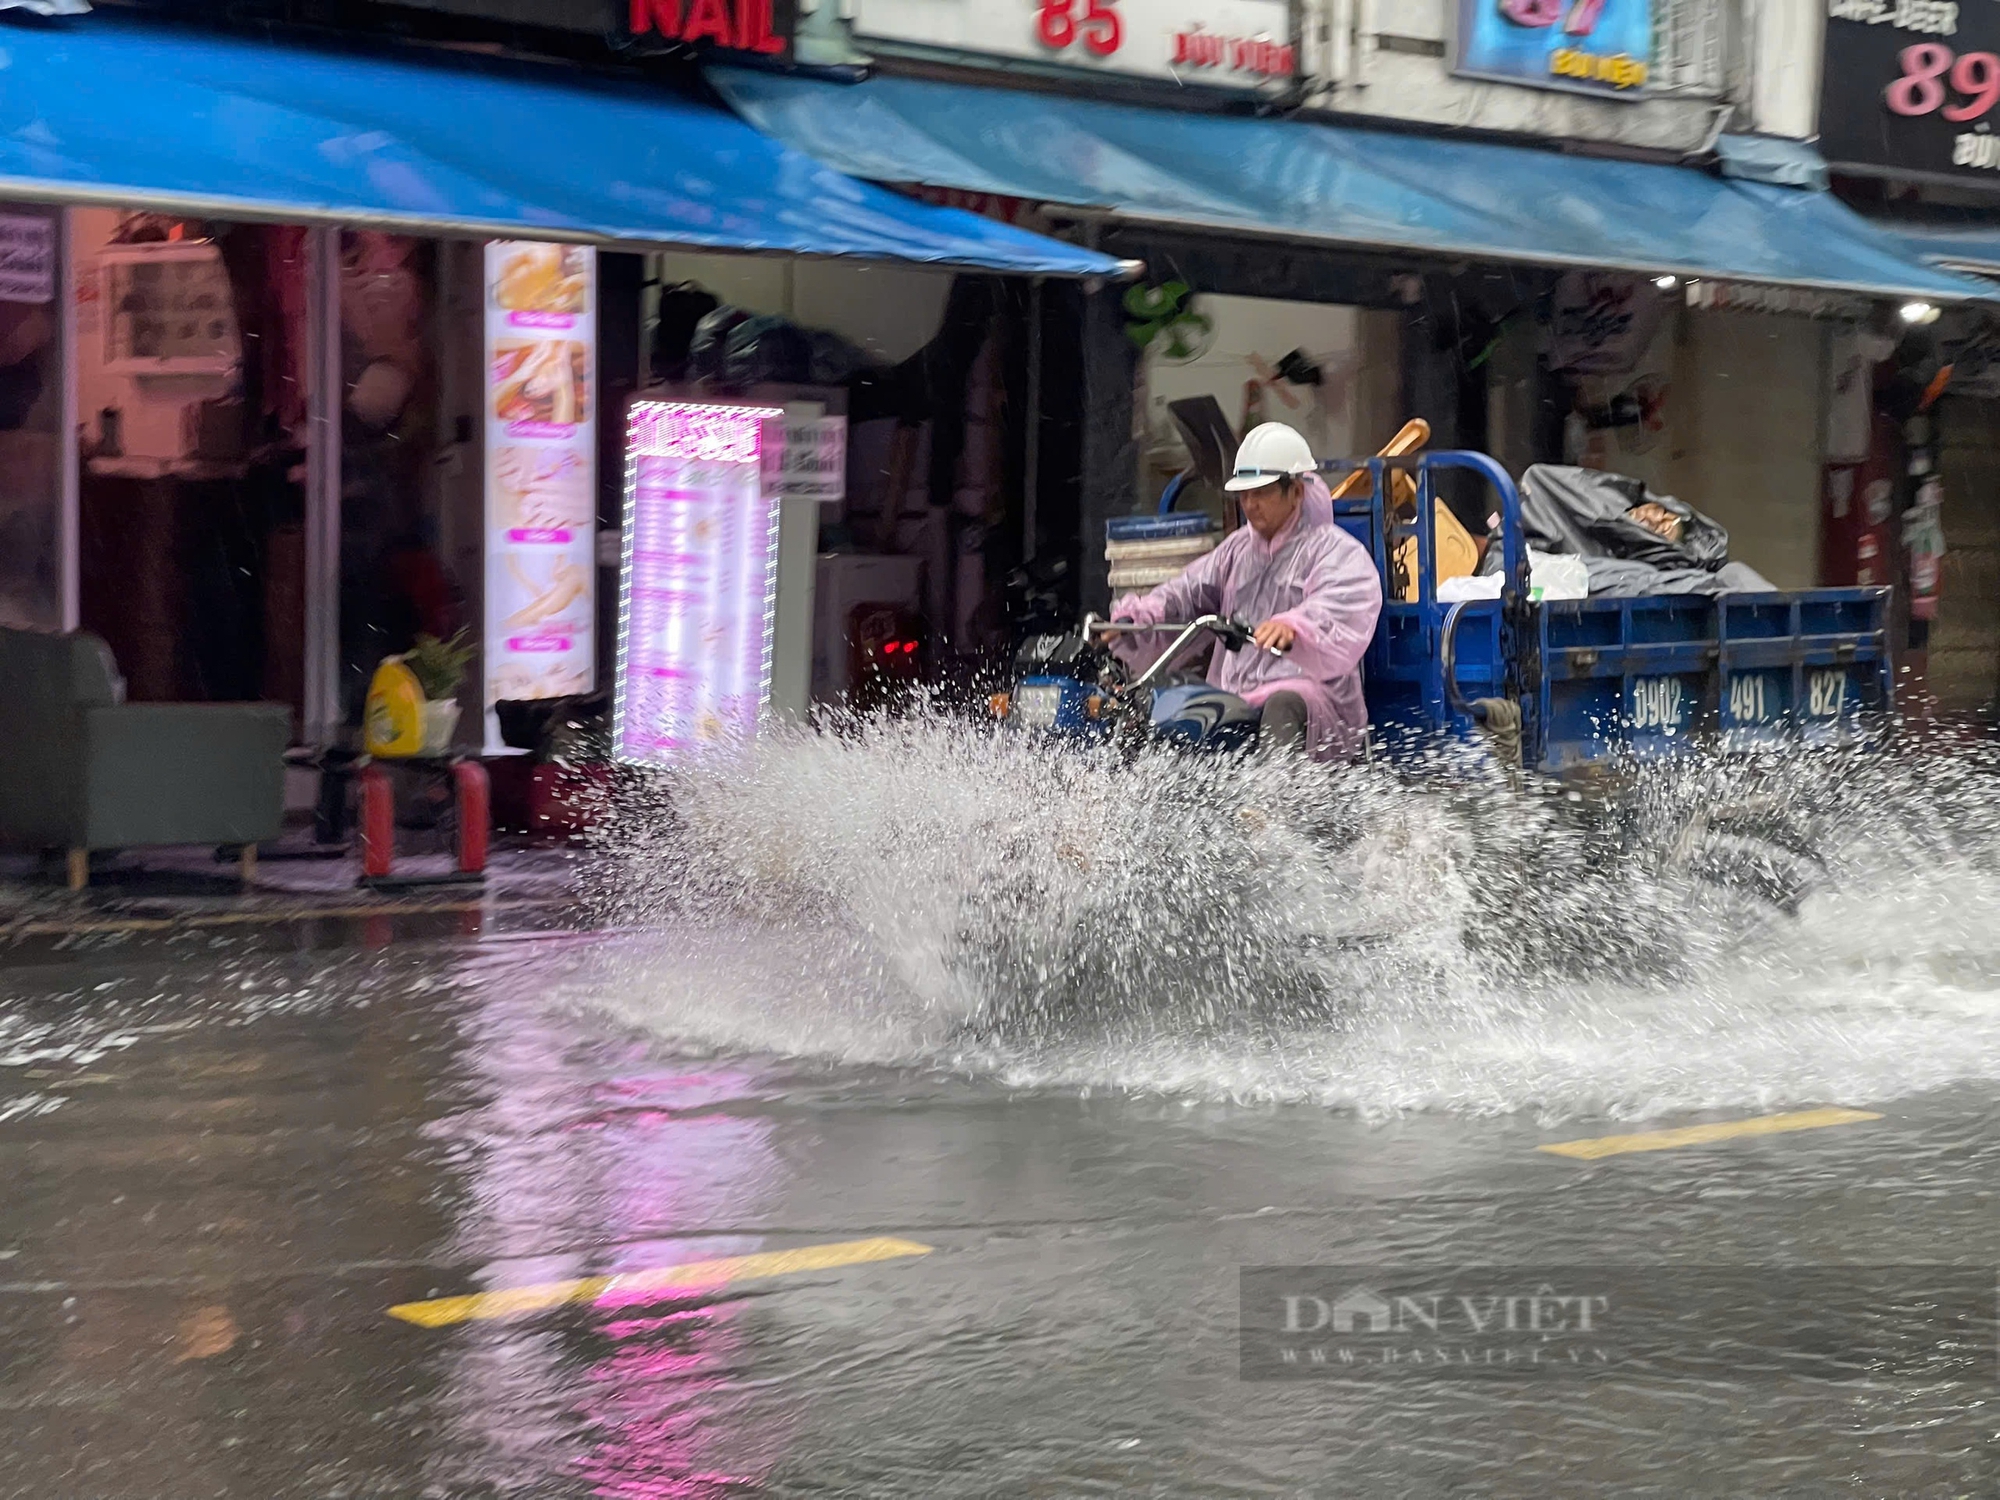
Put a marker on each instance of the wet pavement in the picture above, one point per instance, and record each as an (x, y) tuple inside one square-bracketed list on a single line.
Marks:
[(222, 1167), (297, 890)]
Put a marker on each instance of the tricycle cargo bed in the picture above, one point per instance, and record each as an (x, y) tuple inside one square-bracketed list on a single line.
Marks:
[(1602, 679), (1656, 677)]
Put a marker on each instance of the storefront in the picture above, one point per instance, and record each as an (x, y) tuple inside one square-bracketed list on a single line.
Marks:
[(1678, 323), (1725, 394), (959, 458), (1905, 125), (316, 349)]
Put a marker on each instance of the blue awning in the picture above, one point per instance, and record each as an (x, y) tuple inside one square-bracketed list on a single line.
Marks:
[(111, 110), (1775, 159), (1961, 247), (1333, 184)]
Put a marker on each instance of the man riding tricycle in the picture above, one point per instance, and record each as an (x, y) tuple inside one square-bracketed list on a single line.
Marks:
[(1290, 597), (1333, 638)]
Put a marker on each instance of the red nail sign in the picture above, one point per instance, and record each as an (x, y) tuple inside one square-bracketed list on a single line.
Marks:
[(737, 25)]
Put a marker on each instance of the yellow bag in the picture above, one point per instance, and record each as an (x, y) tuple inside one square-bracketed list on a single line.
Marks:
[(394, 722)]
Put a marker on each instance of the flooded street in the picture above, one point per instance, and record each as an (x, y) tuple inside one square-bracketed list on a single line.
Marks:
[(780, 1217), (927, 750)]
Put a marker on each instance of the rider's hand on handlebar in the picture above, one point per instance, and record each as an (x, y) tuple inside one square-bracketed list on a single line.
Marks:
[(1274, 635)]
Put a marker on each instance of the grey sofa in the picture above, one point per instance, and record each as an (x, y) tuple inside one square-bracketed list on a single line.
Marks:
[(80, 769)]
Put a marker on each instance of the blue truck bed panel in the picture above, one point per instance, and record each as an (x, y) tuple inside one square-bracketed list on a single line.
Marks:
[(1601, 679), (1659, 676), (1604, 678)]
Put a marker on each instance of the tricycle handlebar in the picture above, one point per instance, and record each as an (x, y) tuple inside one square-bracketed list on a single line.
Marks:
[(1094, 626), (1233, 634)]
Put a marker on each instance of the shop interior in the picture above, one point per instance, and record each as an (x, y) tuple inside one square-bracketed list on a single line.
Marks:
[(960, 457), (1353, 379), (1331, 371), (1727, 399), (195, 368)]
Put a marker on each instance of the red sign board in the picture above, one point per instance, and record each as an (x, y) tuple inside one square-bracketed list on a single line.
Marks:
[(738, 25)]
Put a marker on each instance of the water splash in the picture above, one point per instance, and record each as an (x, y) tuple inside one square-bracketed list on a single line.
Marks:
[(922, 893)]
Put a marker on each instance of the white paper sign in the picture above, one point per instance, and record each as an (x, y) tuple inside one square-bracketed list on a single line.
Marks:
[(541, 470), (27, 258), (812, 457)]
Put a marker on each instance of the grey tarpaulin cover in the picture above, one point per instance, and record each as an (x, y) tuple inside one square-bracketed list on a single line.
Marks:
[(1619, 578), (1567, 509), (1584, 513)]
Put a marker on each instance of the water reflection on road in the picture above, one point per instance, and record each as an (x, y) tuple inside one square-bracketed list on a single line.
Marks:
[(253, 1157), (616, 1169)]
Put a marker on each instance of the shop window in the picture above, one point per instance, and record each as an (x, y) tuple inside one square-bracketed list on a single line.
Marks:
[(190, 392), (30, 425), (395, 583)]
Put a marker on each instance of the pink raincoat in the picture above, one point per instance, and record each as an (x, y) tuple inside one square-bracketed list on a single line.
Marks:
[(1311, 576)]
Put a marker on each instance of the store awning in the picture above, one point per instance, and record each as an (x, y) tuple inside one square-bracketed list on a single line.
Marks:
[(1320, 183), (112, 110), (1970, 247)]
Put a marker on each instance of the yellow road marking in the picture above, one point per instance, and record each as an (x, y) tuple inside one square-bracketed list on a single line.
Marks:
[(441, 1312), (1702, 1135)]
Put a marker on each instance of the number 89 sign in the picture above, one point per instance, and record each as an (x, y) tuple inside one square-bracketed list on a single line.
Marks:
[(1928, 67)]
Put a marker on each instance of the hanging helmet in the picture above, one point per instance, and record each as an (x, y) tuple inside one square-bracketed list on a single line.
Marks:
[(1270, 453)]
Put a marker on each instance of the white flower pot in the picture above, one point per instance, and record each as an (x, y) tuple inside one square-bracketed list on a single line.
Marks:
[(440, 724)]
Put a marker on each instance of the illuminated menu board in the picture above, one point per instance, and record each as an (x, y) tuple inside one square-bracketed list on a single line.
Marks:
[(698, 584), (541, 470)]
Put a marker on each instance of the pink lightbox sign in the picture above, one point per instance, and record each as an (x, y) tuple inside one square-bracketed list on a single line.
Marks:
[(698, 581)]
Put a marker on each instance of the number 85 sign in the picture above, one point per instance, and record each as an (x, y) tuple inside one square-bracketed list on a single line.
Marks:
[(1226, 43), (1097, 27)]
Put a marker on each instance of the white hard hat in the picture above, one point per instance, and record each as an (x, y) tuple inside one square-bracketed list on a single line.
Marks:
[(1269, 454)]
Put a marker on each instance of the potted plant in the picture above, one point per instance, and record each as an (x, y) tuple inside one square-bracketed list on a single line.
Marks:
[(439, 667)]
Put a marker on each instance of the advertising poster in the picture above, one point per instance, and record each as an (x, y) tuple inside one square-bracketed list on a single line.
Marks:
[(541, 470), (27, 258), (1592, 46), (698, 585), (1600, 324)]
